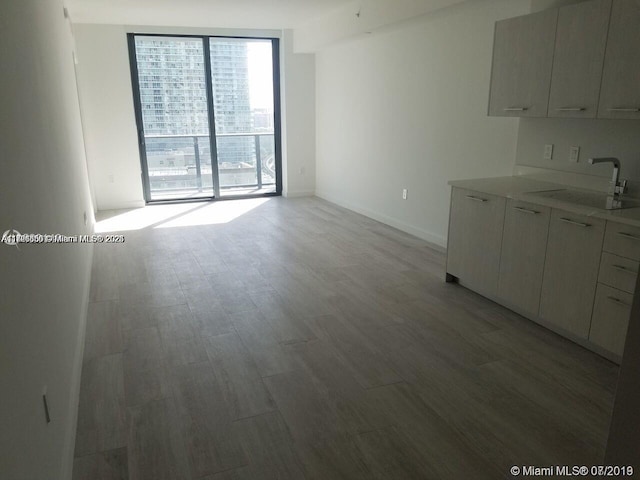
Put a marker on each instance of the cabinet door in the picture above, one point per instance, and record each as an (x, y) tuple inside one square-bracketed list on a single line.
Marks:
[(524, 243), (620, 94), (581, 41), (475, 238), (571, 271), (610, 318), (522, 62)]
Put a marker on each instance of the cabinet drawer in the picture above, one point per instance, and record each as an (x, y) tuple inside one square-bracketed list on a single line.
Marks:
[(622, 240), (618, 272), (610, 319)]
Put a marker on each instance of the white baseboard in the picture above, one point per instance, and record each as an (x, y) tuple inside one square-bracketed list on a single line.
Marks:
[(120, 205), (299, 193), (70, 440), (437, 241)]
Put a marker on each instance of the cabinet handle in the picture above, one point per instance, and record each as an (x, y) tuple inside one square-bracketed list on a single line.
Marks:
[(571, 109), (516, 109), (526, 210), (624, 109), (624, 269), (628, 235), (573, 222), (476, 199), (617, 300)]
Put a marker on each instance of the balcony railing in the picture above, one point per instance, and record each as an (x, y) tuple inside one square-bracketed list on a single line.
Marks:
[(183, 162)]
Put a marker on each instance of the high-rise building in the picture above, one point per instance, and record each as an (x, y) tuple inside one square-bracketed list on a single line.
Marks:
[(173, 96), (171, 76), (232, 102)]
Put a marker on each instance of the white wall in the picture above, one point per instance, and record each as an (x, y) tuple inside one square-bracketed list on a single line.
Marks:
[(356, 18), (108, 115), (44, 288), (539, 5), (407, 108), (596, 138), (298, 120)]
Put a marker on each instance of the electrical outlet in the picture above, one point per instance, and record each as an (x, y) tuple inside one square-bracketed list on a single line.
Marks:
[(405, 192), (111, 178), (574, 154), (548, 152)]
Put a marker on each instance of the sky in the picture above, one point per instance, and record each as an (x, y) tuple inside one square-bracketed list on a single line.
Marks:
[(260, 74)]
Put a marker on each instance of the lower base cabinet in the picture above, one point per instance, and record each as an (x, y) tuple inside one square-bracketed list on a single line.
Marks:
[(571, 271), (475, 238), (524, 246), (610, 320), (574, 274)]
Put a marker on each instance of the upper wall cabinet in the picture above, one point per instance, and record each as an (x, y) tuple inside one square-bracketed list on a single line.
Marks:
[(620, 95), (522, 62), (587, 67), (581, 41)]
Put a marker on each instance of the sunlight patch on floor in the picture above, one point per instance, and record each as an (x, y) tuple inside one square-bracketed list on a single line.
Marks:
[(139, 218), (215, 213), (175, 215)]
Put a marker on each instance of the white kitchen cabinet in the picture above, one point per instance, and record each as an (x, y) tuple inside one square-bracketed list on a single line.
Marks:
[(580, 44), (620, 93), (622, 240), (617, 279), (618, 272), (475, 238), (524, 245), (522, 63), (610, 320), (574, 274), (571, 272)]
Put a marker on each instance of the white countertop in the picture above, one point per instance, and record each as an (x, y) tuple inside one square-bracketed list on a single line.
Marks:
[(521, 187)]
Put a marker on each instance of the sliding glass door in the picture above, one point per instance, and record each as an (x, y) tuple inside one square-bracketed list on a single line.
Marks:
[(207, 116), (242, 78)]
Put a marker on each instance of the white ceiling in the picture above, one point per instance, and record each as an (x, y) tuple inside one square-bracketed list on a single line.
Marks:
[(261, 14)]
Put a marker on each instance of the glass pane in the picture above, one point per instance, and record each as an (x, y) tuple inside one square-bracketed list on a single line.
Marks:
[(173, 95), (242, 81)]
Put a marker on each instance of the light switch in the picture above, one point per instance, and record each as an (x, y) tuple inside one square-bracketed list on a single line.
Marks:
[(548, 152)]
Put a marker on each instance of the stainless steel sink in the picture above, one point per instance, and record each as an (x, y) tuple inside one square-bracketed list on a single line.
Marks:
[(589, 199)]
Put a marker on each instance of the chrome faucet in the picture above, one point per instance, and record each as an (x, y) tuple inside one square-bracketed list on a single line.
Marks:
[(618, 187)]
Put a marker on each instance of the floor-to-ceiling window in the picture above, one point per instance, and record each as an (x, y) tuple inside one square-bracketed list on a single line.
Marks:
[(207, 115)]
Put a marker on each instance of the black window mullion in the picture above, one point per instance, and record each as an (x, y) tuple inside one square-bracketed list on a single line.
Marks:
[(137, 104), (212, 120), (277, 139)]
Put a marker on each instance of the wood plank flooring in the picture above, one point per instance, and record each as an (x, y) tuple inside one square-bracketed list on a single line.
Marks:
[(304, 341)]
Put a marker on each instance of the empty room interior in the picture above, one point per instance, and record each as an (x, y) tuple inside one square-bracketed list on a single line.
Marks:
[(319, 239)]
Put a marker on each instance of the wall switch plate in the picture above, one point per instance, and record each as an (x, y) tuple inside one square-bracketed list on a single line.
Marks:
[(111, 178), (548, 152), (574, 154), (404, 193)]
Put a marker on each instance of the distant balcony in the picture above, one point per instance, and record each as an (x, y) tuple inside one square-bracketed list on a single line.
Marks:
[(179, 166)]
